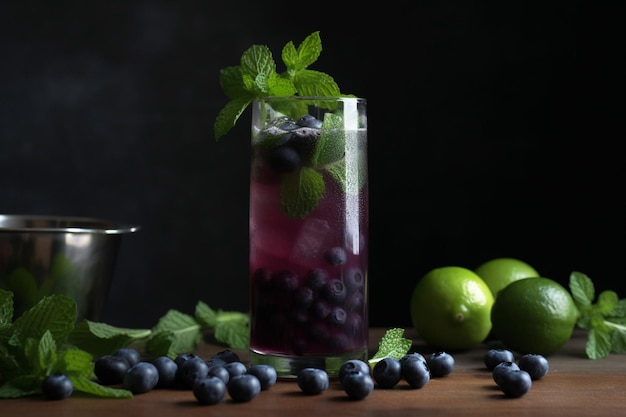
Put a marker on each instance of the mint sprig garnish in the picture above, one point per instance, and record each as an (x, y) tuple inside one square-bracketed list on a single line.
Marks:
[(256, 76), (605, 319)]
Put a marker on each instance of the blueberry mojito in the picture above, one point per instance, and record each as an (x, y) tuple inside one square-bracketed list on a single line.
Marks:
[(308, 209), (308, 229)]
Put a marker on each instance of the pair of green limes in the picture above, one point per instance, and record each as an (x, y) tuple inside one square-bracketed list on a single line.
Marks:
[(455, 308)]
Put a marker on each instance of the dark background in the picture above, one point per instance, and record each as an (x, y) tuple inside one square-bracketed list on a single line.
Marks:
[(496, 129)]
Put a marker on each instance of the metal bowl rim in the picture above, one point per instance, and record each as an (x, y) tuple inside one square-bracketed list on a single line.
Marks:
[(71, 224)]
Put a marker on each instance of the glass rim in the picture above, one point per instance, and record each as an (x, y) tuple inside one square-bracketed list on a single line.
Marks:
[(310, 98)]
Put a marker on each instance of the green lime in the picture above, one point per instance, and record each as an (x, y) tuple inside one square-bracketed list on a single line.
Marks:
[(500, 272), (534, 315), (450, 308)]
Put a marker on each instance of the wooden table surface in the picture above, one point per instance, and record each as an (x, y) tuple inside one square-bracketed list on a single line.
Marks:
[(574, 386)]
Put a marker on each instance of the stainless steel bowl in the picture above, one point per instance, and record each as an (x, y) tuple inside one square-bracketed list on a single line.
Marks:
[(42, 255)]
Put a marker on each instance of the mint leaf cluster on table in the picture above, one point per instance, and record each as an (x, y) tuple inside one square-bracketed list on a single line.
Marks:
[(46, 340), (257, 77), (605, 320)]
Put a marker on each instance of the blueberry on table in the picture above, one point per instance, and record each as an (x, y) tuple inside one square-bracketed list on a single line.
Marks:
[(440, 364), (312, 381), (412, 356), (209, 390), (220, 372), (495, 356), (502, 368), (267, 375), (236, 368), (243, 388), (131, 355), (387, 372), (167, 369), (110, 370), (141, 377), (192, 370), (226, 355), (415, 371), (358, 385), (352, 366), (57, 387), (515, 383), (536, 365)]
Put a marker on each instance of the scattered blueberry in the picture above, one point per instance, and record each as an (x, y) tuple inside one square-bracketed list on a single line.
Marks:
[(141, 377), (312, 381), (167, 369), (415, 371), (515, 383), (110, 370), (219, 371), (495, 356), (352, 366), (536, 365), (440, 364), (412, 356), (131, 355), (215, 362), (387, 372), (358, 385), (226, 355), (191, 370), (243, 388), (502, 368), (57, 387), (209, 390), (267, 375), (235, 368)]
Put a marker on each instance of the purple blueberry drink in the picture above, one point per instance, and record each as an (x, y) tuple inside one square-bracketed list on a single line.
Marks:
[(308, 233)]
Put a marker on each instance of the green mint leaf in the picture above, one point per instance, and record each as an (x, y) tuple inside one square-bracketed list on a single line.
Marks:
[(280, 86), (229, 114), (300, 192), (46, 354), (607, 302), (230, 327), (87, 386), (582, 289), (205, 315), (598, 344), (331, 145), (257, 64), (307, 53), (315, 83), (74, 362), (20, 387), (234, 333), (618, 339), (175, 333), (55, 313), (101, 339), (392, 344)]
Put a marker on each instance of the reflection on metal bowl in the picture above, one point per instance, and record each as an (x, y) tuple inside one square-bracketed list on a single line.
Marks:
[(74, 256)]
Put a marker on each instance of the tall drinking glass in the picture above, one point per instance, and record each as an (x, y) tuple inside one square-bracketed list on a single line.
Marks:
[(308, 233)]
